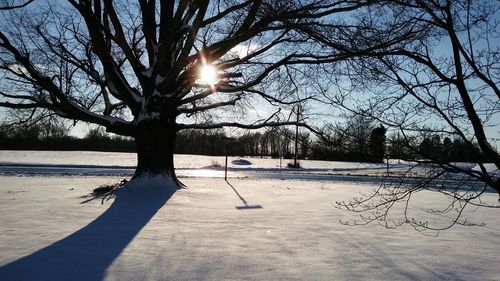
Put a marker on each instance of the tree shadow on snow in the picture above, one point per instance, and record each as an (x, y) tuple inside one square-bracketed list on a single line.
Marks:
[(87, 253)]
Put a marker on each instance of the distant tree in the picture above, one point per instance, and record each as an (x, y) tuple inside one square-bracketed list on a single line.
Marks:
[(331, 146), (401, 148), (33, 136), (349, 141), (447, 142), (356, 135), (54, 129), (447, 146), (426, 147), (278, 142), (377, 143), (304, 144), (96, 133)]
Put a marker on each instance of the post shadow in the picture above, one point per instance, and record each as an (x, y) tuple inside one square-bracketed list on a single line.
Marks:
[(246, 206), (87, 253)]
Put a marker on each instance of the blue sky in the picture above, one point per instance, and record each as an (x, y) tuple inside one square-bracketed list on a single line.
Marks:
[(319, 113)]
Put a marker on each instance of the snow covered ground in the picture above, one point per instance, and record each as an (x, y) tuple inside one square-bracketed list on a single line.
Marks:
[(182, 161), (249, 229)]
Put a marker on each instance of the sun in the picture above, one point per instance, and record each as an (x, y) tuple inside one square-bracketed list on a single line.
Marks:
[(208, 74)]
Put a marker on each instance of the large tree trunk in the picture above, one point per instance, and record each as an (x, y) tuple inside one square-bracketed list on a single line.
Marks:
[(155, 152)]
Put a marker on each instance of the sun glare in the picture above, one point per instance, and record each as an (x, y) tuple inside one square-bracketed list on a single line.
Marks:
[(208, 74)]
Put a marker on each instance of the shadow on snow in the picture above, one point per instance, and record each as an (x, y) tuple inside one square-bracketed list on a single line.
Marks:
[(245, 203), (87, 253)]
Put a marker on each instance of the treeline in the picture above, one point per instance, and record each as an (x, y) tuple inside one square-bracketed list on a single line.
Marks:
[(359, 139), (56, 137), (433, 147), (450, 150), (273, 142), (367, 145)]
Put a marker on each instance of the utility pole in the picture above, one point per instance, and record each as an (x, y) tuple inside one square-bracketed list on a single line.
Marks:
[(297, 137)]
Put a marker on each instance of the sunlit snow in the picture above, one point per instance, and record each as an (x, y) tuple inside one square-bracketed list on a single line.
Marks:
[(204, 232)]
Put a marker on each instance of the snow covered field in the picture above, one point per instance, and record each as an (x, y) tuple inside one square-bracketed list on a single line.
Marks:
[(182, 161), (250, 229)]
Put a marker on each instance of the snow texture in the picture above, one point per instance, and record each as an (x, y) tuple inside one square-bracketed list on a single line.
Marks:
[(244, 229), (490, 169), (202, 233)]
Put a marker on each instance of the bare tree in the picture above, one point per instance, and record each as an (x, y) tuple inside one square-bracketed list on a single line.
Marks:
[(147, 69), (436, 73), (10, 5)]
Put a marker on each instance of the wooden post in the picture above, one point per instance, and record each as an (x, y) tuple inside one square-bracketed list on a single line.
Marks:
[(387, 159), (225, 172)]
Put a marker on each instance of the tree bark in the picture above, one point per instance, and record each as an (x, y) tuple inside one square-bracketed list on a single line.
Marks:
[(155, 152)]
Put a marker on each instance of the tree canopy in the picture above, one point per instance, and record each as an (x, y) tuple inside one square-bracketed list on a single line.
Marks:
[(439, 79), (140, 68)]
